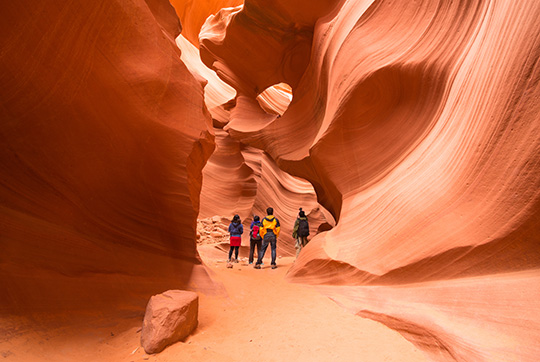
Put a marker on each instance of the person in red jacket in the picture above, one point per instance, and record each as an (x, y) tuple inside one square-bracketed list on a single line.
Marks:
[(269, 232)]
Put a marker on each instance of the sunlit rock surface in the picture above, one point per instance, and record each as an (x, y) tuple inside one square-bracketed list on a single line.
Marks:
[(103, 137), (193, 14), (418, 125), (216, 92)]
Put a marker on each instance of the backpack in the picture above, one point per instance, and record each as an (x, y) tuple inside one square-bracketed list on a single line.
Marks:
[(303, 227), (255, 231)]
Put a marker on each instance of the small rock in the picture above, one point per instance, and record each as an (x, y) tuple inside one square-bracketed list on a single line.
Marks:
[(169, 318)]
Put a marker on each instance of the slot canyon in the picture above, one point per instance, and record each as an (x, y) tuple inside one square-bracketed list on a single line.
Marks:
[(131, 132)]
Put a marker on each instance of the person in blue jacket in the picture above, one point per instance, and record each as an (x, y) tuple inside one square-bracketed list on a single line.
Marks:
[(236, 229)]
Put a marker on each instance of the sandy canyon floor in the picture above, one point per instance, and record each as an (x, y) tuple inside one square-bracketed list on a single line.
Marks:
[(255, 316)]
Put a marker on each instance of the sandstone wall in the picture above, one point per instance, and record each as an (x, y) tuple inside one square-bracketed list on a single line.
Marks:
[(103, 137)]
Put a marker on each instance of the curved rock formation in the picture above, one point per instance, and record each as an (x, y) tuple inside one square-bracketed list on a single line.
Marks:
[(417, 124), (216, 92), (104, 134)]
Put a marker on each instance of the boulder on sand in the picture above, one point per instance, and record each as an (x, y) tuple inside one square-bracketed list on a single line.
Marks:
[(169, 318)]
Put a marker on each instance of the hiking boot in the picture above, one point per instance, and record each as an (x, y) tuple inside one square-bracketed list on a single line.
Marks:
[(257, 266), (274, 266)]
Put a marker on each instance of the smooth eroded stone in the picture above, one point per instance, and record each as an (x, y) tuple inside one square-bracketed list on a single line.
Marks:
[(169, 318)]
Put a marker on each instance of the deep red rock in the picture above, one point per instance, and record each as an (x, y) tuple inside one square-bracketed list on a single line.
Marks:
[(103, 136)]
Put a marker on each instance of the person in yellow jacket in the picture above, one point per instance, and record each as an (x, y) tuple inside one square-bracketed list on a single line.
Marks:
[(269, 232)]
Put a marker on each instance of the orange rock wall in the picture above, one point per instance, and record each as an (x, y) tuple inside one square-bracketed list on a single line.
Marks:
[(417, 124), (103, 137)]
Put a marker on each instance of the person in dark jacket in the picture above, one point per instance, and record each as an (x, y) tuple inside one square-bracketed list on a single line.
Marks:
[(236, 229), (269, 232), (255, 239), (301, 231)]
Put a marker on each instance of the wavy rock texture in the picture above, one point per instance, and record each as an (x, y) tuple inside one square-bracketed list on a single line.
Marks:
[(216, 92), (103, 137), (240, 179), (417, 124)]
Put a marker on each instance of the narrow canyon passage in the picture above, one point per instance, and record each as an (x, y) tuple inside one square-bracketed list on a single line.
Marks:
[(131, 131)]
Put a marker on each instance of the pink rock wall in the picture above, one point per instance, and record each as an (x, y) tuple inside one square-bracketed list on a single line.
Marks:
[(103, 137), (417, 124)]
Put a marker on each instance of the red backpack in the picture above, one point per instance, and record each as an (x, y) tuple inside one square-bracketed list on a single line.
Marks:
[(255, 231)]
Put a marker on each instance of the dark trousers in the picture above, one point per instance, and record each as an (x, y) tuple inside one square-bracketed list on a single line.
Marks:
[(269, 238), (252, 245), (235, 248)]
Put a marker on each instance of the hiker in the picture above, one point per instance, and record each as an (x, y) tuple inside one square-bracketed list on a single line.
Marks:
[(269, 232), (255, 239), (236, 229), (300, 231)]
